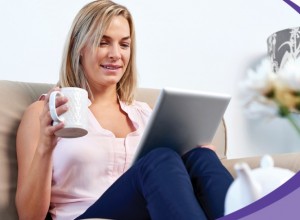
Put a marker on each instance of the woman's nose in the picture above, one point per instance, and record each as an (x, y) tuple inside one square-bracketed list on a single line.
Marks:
[(114, 52)]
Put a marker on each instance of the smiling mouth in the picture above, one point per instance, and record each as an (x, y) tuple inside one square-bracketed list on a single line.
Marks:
[(109, 67)]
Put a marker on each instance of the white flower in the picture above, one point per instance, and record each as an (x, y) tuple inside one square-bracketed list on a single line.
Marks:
[(261, 80), (255, 90), (289, 74)]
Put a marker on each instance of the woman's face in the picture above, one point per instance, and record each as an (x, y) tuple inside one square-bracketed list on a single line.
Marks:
[(106, 66)]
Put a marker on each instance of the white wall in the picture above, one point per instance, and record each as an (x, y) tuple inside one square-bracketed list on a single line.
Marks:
[(193, 44)]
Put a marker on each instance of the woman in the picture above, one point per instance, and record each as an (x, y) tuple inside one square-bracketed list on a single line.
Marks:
[(90, 177)]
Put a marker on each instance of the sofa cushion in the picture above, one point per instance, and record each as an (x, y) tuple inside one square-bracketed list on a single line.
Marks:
[(14, 99)]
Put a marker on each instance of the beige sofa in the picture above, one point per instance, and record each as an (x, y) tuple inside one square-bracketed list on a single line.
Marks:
[(16, 96)]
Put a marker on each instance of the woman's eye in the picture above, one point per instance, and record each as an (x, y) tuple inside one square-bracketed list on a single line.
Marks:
[(103, 43), (125, 45)]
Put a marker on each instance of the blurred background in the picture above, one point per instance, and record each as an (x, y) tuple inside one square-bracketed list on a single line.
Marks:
[(191, 44)]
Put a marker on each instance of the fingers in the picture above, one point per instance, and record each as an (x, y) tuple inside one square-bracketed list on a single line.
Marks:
[(62, 108), (45, 118), (50, 130), (49, 92), (48, 139), (60, 102), (210, 146)]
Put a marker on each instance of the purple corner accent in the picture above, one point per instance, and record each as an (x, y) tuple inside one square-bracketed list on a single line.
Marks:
[(282, 191), (293, 5)]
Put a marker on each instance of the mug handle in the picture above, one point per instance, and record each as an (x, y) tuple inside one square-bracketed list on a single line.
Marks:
[(52, 106)]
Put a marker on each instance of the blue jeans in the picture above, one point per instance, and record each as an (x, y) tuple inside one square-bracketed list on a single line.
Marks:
[(163, 185)]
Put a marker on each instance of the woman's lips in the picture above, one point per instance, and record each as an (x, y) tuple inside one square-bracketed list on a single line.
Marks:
[(110, 67)]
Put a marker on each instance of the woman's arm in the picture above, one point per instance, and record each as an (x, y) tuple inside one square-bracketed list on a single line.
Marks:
[(35, 144)]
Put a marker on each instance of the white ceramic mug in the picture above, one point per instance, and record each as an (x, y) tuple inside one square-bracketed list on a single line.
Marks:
[(75, 118)]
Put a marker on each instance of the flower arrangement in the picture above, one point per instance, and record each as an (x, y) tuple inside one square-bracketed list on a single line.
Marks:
[(266, 93)]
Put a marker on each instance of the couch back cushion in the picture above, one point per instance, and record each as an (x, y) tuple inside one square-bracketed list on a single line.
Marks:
[(14, 99)]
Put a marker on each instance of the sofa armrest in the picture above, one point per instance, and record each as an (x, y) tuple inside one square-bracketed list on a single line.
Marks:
[(289, 161)]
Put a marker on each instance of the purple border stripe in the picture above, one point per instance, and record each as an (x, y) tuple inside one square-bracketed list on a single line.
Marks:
[(282, 191), (293, 5)]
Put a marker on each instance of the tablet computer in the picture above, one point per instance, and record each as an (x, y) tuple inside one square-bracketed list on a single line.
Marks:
[(182, 120)]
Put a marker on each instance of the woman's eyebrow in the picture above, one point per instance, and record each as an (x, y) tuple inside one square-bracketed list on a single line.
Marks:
[(124, 38)]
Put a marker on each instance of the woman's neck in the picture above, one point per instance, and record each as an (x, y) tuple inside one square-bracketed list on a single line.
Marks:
[(105, 97)]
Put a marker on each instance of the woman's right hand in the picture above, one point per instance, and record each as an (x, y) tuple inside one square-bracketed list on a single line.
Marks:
[(47, 139)]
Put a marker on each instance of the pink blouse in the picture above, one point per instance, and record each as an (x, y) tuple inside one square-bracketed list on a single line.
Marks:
[(84, 168)]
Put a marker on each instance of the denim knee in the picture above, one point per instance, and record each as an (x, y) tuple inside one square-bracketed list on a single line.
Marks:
[(160, 156), (200, 153)]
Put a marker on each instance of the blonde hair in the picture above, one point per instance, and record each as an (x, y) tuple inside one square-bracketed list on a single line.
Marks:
[(87, 29)]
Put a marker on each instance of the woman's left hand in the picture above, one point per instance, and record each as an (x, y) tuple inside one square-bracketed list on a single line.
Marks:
[(209, 146)]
